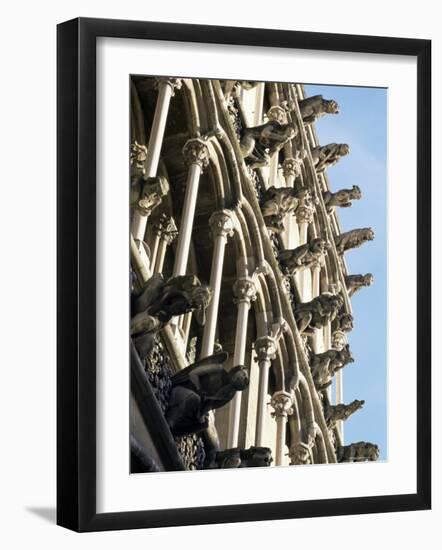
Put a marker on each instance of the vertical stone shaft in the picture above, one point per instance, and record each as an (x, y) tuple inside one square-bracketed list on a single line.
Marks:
[(282, 404), (266, 351), (196, 156), (166, 88), (245, 292), (221, 224)]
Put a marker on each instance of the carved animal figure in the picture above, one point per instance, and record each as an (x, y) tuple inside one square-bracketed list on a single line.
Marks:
[(259, 143), (318, 312), (358, 452), (324, 365), (176, 296), (200, 388), (147, 194), (316, 106), (326, 155), (240, 458), (341, 198), (137, 159), (353, 239), (284, 200), (304, 256), (335, 413), (159, 301), (356, 282), (343, 322)]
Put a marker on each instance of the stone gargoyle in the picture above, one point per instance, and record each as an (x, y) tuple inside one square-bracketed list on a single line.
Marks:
[(277, 202), (318, 312), (159, 301), (341, 198), (343, 322), (147, 194), (200, 388), (137, 160), (356, 282), (353, 239), (324, 365), (258, 144), (335, 413), (325, 156), (305, 256), (253, 457), (358, 452), (315, 106)]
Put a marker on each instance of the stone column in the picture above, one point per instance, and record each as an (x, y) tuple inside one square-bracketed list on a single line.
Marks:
[(282, 403), (304, 216), (265, 348), (259, 101), (167, 232), (278, 114), (221, 224), (196, 156), (166, 88), (316, 280), (339, 398), (244, 292), (290, 170)]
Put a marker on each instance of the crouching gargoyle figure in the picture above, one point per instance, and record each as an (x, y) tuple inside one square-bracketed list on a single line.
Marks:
[(326, 155), (159, 301), (356, 282), (200, 388), (316, 106), (341, 198), (335, 413), (317, 313), (253, 457), (258, 144), (277, 202), (353, 239), (324, 365), (305, 256), (358, 452)]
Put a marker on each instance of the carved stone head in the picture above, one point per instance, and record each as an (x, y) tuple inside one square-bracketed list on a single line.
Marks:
[(368, 279), (332, 107), (239, 377), (318, 246), (356, 193), (257, 456), (346, 322), (344, 149), (346, 355)]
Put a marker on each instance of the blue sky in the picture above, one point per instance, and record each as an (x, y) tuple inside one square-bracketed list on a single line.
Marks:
[(362, 123)]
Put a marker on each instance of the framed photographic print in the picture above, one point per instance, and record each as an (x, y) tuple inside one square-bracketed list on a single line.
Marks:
[(243, 274)]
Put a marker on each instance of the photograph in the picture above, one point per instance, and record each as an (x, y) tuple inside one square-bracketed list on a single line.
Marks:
[(257, 274)]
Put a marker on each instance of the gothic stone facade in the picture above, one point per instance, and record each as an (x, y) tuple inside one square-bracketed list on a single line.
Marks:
[(240, 291)]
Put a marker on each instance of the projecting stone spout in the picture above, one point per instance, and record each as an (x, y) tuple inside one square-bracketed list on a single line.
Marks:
[(253, 457), (341, 198), (303, 257), (358, 452), (326, 155), (200, 388), (258, 144), (317, 313), (324, 365), (356, 282), (316, 106), (161, 300), (336, 413), (353, 239)]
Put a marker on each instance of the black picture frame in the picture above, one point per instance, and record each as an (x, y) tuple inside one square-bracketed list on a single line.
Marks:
[(76, 273)]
